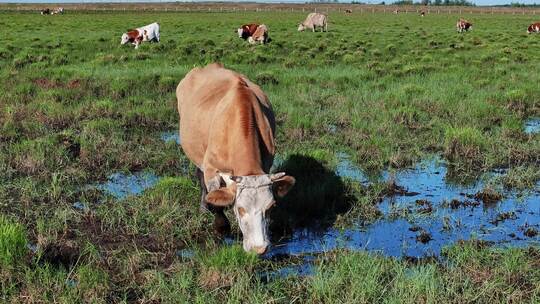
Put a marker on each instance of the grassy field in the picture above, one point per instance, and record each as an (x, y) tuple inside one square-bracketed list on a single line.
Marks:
[(388, 90)]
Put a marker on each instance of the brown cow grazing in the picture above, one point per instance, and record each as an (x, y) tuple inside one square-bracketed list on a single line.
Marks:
[(534, 28), (463, 25), (422, 13), (227, 128), (247, 30), (45, 11), (260, 35), (348, 11)]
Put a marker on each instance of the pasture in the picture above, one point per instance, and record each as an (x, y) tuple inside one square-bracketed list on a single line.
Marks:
[(98, 203)]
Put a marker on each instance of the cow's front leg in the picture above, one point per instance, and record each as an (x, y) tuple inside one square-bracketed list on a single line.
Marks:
[(204, 191), (221, 223)]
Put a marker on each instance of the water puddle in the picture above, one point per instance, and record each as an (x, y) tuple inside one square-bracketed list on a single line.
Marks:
[(121, 185), (346, 168), (81, 206), (170, 136), (532, 126), (431, 213)]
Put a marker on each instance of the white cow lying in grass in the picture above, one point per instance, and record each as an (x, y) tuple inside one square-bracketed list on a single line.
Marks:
[(137, 36)]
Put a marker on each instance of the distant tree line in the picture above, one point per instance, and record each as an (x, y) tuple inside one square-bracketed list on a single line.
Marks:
[(435, 2), (324, 1), (517, 4)]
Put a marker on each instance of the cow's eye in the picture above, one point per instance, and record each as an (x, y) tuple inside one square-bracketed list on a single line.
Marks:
[(241, 211)]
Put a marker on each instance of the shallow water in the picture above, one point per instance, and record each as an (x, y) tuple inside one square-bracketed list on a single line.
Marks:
[(170, 136), (532, 126), (121, 185), (412, 227)]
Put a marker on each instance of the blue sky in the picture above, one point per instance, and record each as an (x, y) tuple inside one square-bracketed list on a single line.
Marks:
[(477, 2)]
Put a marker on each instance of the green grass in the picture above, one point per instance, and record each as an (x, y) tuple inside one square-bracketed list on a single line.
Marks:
[(387, 89), (12, 242)]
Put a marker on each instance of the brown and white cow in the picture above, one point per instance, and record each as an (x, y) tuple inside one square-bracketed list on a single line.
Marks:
[(227, 128), (348, 11), (260, 35), (45, 11), (136, 36), (247, 30), (313, 21), (132, 36), (534, 28), (463, 25)]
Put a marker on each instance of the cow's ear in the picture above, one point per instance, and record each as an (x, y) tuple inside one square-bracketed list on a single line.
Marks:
[(283, 184), (221, 197)]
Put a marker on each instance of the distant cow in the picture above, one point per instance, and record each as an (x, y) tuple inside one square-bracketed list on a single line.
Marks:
[(534, 28), (348, 11), (422, 13), (396, 12), (227, 128), (45, 11), (313, 21), (58, 10), (247, 30), (463, 25), (260, 35), (137, 36)]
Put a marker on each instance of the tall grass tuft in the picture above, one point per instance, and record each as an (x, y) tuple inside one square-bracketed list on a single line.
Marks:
[(12, 242)]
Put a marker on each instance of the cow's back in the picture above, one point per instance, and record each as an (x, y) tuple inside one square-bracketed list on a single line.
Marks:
[(315, 19), (207, 113)]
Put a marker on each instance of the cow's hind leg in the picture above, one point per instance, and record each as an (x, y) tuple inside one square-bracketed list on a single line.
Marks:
[(221, 223)]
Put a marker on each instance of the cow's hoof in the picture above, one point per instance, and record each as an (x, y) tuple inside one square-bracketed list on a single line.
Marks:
[(222, 225)]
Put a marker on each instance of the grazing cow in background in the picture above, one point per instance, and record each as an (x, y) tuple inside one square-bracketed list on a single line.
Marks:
[(137, 36), (422, 13), (396, 12), (313, 21), (45, 11), (348, 11), (534, 28), (227, 128), (247, 30), (260, 35), (58, 10), (463, 25), (133, 36)]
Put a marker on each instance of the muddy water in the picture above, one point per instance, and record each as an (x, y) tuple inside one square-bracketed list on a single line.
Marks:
[(532, 126), (426, 219)]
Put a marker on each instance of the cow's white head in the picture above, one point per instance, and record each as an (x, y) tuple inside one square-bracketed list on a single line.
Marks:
[(240, 32), (125, 38), (251, 196), (301, 27)]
